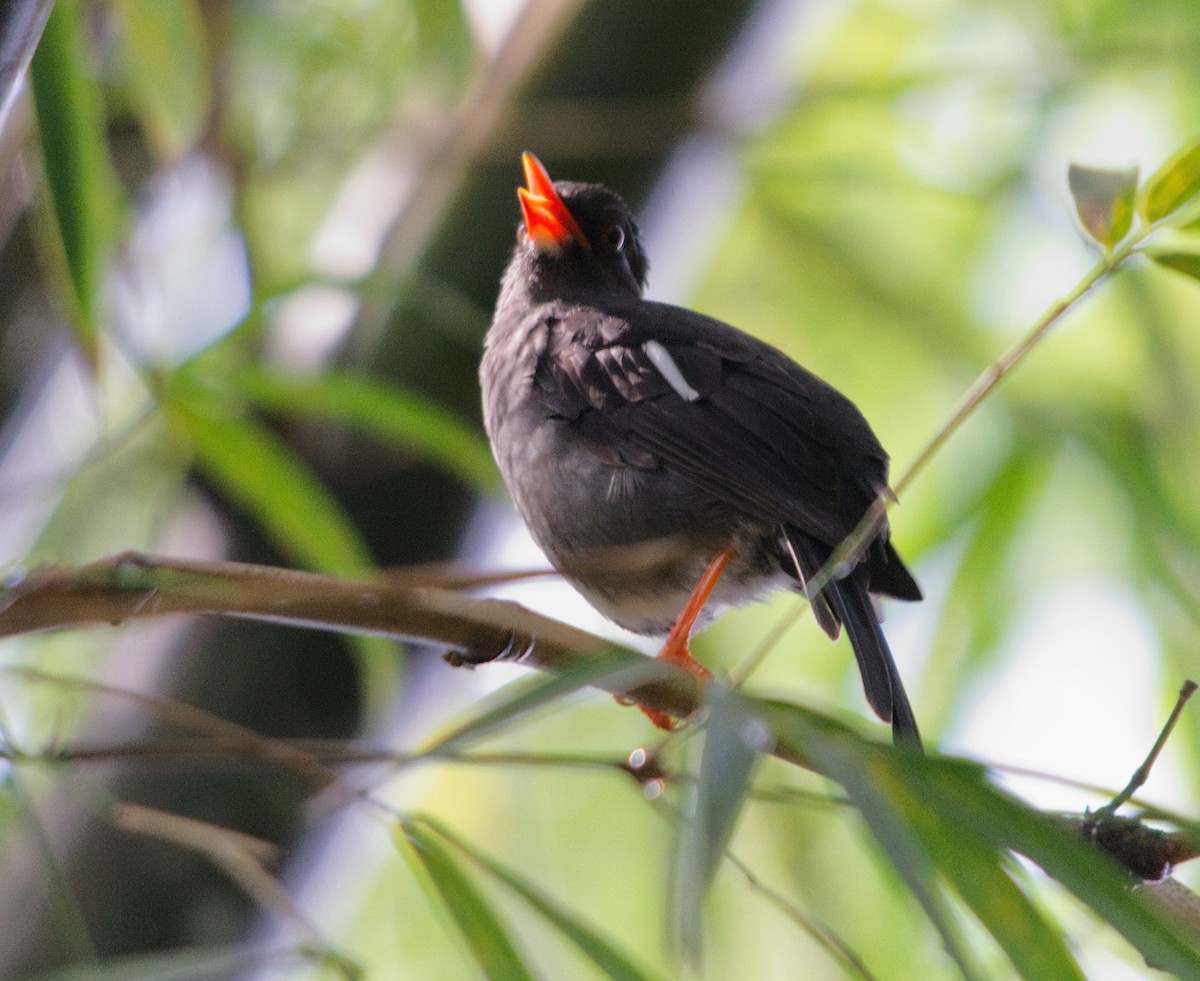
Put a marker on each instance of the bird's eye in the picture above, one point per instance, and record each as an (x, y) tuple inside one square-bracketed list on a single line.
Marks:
[(614, 237)]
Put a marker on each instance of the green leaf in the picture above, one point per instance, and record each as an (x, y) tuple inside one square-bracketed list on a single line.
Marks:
[(600, 951), (478, 924), (1092, 877), (860, 766), (1173, 185), (963, 826), (387, 412), (975, 865), (983, 587), (1179, 261), (131, 478), (79, 176), (166, 62), (262, 475), (1035, 947), (1104, 201), (733, 740)]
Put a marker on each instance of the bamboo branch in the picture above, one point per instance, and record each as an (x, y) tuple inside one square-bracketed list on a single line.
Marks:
[(473, 631)]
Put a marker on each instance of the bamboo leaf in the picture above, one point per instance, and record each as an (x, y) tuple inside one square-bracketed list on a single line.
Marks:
[(1104, 201), (599, 950), (976, 867), (1173, 185), (262, 475), (479, 926), (733, 740), (861, 768), (387, 412), (1092, 877), (79, 176), (1035, 948), (955, 817), (1187, 263), (166, 62), (973, 617)]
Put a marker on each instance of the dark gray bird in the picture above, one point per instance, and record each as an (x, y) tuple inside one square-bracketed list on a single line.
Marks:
[(669, 465)]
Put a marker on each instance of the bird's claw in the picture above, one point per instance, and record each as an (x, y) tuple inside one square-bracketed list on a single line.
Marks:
[(677, 654)]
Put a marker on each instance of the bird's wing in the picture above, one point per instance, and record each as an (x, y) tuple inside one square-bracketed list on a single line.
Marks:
[(657, 385)]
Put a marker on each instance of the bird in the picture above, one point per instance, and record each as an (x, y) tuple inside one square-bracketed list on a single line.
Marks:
[(669, 465)]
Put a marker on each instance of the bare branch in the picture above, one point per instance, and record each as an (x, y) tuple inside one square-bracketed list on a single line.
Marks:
[(473, 631)]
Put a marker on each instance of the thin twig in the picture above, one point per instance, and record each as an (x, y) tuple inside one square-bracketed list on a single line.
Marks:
[(1142, 773), (857, 541), (337, 753), (222, 735), (241, 857), (821, 933)]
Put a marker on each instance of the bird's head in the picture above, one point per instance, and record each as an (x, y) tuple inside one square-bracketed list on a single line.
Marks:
[(580, 235)]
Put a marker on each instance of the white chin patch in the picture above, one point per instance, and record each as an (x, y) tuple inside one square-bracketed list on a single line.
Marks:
[(661, 358)]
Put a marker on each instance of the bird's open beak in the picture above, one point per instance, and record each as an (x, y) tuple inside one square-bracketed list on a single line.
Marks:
[(549, 224)]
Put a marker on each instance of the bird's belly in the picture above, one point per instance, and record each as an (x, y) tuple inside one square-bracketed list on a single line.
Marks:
[(634, 542), (652, 608)]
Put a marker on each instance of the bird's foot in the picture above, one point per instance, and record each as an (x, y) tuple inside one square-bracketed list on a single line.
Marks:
[(676, 653), (661, 720), (675, 650)]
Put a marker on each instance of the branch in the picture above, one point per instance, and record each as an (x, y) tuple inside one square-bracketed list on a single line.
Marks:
[(403, 607)]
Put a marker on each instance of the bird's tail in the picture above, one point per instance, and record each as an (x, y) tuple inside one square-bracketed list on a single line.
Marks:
[(851, 601)]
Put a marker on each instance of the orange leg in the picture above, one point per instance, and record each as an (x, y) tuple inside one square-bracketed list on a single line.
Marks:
[(675, 650)]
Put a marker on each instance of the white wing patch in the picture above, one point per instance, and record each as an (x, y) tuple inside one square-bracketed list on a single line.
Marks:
[(661, 358)]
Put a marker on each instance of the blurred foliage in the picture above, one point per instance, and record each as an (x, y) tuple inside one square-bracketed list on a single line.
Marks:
[(77, 167), (904, 213)]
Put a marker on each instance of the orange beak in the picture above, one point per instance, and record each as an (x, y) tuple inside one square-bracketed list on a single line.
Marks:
[(549, 224)]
